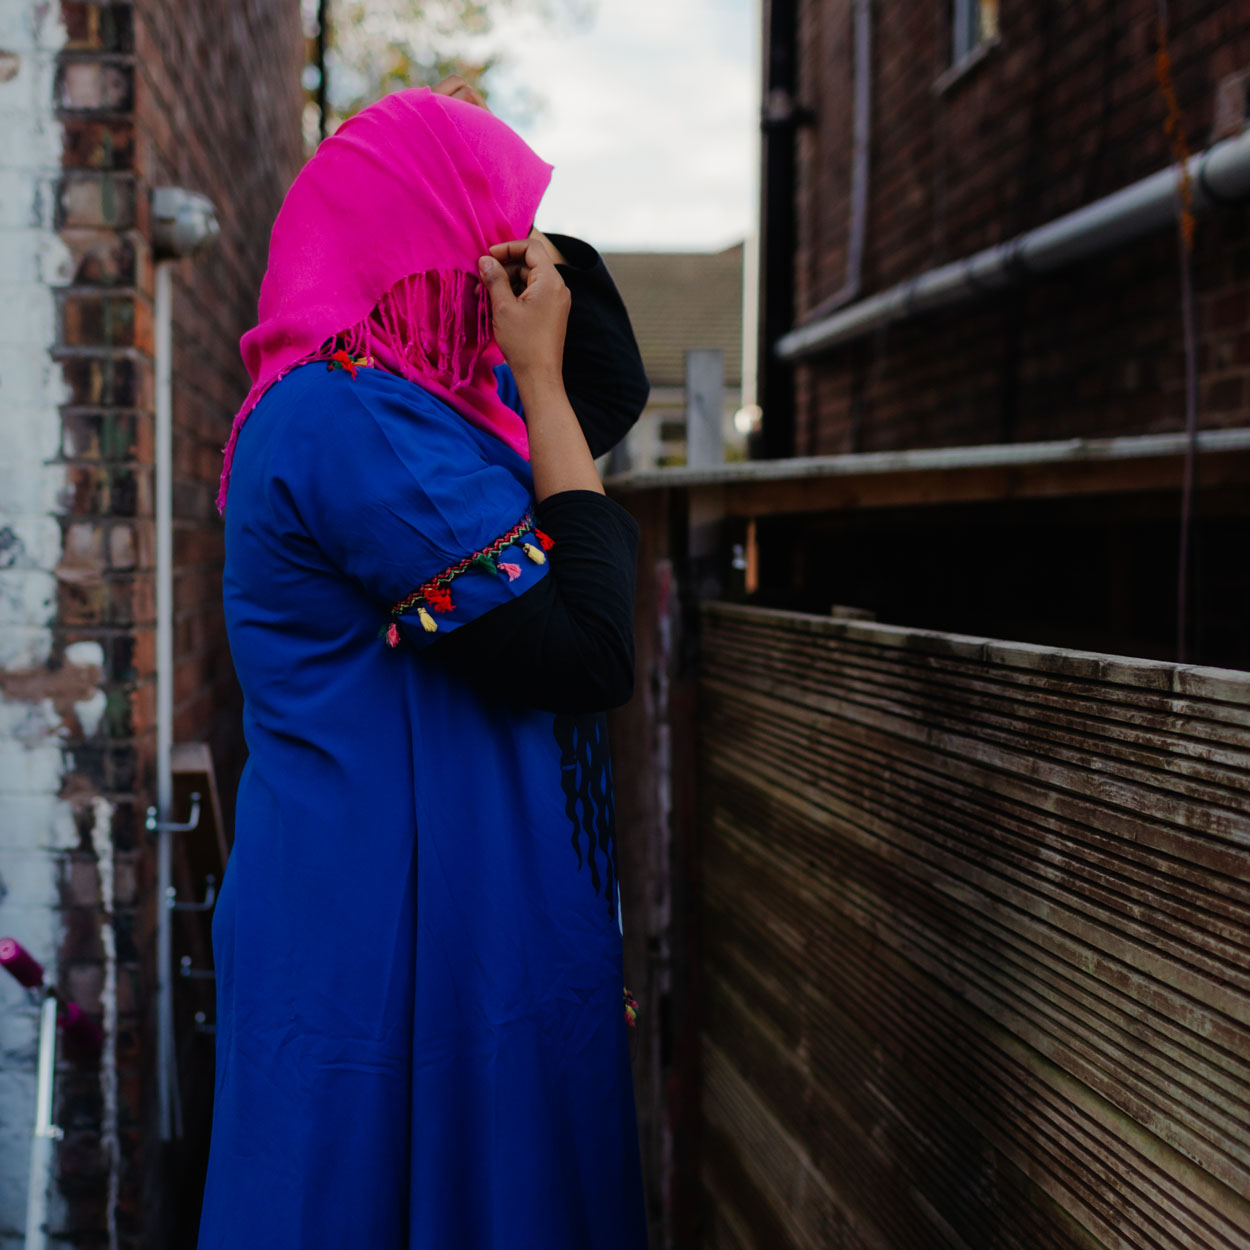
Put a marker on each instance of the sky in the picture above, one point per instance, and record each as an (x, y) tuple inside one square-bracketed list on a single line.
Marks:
[(649, 112)]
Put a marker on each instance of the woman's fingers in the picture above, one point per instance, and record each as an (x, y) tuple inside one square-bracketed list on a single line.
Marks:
[(456, 87), (517, 271), (494, 279), (522, 258), (524, 251), (518, 275), (548, 246), (529, 326)]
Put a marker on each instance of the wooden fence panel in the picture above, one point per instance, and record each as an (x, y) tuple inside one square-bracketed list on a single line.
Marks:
[(976, 942)]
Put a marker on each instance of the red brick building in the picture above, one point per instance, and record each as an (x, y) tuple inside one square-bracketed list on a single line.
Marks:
[(981, 122), (103, 103)]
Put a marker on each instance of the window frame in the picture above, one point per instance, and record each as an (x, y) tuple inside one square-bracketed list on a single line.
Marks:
[(962, 14)]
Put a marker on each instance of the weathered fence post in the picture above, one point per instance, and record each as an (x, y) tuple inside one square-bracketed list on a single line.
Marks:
[(705, 407)]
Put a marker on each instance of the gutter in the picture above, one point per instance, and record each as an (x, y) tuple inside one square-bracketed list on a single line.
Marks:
[(863, 466), (1220, 175)]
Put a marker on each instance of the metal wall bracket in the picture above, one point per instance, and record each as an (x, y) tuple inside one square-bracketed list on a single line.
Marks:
[(210, 897), (202, 1025), (153, 825), (194, 974)]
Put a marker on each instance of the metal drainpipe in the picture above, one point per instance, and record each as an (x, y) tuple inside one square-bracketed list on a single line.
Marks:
[(862, 140), (1220, 174), (323, 88), (183, 223), (779, 123)]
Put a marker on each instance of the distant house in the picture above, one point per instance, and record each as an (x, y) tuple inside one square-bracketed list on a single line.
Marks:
[(679, 301)]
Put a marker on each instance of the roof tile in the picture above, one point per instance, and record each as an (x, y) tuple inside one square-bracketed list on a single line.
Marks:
[(682, 300)]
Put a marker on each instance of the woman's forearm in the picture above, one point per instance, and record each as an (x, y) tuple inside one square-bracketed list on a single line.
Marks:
[(559, 457), (529, 329)]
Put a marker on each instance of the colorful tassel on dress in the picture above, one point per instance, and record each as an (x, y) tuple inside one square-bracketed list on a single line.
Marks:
[(435, 595), (392, 635), (342, 360), (546, 541), (428, 623), (631, 1010), (439, 598)]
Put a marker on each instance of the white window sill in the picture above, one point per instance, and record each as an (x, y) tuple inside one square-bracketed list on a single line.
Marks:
[(962, 68)]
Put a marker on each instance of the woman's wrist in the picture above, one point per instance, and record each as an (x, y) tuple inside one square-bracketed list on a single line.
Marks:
[(559, 457), (539, 380)]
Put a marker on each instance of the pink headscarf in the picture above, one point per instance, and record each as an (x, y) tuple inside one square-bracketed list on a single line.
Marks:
[(376, 244)]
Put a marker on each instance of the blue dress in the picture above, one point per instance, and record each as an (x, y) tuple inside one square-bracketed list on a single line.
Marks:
[(421, 1041)]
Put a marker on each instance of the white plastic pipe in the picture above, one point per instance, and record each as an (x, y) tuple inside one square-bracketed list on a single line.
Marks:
[(1220, 173), (183, 223), (45, 1131), (167, 1080)]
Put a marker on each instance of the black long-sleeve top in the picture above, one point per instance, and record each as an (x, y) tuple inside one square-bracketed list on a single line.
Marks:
[(575, 626), (603, 371)]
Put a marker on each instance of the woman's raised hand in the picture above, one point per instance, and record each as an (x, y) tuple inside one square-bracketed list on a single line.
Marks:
[(529, 307), (456, 87)]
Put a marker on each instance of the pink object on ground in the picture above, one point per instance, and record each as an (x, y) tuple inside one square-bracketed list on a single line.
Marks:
[(377, 243), (20, 963), (79, 1029)]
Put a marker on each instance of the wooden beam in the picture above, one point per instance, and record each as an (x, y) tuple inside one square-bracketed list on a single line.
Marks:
[(943, 475)]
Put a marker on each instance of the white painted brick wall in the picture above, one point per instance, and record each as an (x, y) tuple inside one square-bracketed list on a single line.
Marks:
[(34, 822)]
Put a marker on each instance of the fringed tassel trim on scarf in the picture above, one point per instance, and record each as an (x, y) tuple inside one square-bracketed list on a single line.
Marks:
[(453, 300), (435, 594)]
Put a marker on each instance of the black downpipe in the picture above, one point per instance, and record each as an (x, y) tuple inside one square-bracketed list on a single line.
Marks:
[(780, 120), (323, 38)]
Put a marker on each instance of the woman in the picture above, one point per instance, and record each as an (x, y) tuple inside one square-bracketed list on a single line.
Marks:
[(421, 1035)]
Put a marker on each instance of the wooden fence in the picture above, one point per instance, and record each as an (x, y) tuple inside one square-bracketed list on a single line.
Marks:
[(975, 953)]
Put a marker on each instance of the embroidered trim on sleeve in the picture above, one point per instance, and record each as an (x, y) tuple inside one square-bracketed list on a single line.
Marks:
[(435, 594)]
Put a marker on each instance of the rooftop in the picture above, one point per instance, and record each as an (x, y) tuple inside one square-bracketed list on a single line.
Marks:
[(682, 300)]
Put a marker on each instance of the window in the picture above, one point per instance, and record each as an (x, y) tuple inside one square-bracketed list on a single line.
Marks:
[(974, 24)]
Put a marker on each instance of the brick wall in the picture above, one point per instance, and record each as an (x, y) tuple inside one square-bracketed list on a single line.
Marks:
[(217, 109), (120, 97), (1063, 111)]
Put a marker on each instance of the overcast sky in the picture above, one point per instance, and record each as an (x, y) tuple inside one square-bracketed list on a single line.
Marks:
[(650, 118)]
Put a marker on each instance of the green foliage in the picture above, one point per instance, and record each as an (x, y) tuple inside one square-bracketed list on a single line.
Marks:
[(379, 46)]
